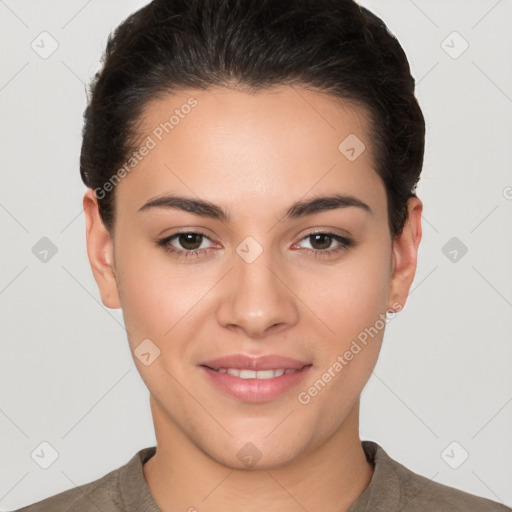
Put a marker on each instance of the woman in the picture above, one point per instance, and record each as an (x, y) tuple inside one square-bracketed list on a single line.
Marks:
[(251, 169)]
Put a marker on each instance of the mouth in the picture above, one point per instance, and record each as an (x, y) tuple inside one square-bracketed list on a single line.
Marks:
[(255, 386), (247, 373)]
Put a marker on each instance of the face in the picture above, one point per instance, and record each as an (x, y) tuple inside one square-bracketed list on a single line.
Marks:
[(255, 271)]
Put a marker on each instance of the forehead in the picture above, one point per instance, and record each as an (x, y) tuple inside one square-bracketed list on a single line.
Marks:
[(233, 147)]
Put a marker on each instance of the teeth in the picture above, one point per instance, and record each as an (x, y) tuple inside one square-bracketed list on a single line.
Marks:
[(252, 374)]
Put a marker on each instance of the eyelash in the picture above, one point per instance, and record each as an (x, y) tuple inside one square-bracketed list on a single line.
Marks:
[(345, 243)]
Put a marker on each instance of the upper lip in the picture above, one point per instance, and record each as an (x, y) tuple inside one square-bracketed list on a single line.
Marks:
[(266, 362)]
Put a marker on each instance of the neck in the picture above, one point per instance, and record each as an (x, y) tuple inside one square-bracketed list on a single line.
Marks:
[(331, 476)]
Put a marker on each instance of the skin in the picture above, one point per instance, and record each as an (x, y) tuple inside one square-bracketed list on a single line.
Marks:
[(255, 155)]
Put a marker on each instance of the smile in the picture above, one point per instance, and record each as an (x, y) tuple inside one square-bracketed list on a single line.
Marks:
[(255, 386), (252, 374)]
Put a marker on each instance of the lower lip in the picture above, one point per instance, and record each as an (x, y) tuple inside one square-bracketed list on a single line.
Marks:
[(256, 390)]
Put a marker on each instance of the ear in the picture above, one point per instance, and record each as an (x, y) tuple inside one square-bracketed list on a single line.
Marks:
[(405, 256), (100, 250)]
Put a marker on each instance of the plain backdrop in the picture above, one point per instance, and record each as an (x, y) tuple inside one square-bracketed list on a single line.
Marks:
[(441, 393)]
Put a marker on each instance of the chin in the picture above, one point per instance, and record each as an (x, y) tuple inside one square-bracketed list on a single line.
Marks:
[(257, 453)]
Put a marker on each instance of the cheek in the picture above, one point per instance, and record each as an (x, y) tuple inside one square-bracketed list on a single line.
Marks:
[(153, 293), (352, 302), (351, 296), (145, 291), (353, 306)]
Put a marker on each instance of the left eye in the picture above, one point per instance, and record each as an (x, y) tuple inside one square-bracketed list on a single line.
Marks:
[(324, 241)]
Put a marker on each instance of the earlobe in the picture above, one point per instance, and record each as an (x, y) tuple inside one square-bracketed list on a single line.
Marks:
[(100, 250), (405, 255)]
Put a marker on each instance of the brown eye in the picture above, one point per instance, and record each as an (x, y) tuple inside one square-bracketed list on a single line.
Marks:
[(189, 241), (186, 244), (322, 243)]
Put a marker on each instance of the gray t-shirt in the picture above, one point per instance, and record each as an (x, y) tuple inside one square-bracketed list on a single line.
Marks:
[(393, 488)]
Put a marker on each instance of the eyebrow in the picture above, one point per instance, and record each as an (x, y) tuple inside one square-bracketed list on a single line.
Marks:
[(295, 211)]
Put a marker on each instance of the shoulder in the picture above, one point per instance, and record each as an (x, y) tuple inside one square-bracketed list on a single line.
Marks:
[(413, 492), (84, 498), (106, 493), (424, 494)]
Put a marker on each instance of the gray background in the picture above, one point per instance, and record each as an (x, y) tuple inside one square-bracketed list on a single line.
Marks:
[(67, 376)]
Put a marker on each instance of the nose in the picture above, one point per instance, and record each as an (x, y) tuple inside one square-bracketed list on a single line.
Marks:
[(257, 297)]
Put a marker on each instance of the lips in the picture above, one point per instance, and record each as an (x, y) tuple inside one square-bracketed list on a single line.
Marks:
[(255, 390), (244, 362), (255, 379)]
